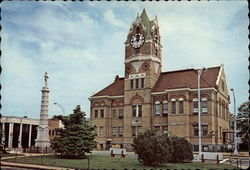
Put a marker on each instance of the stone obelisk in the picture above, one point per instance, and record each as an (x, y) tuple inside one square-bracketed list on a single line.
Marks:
[(42, 140)]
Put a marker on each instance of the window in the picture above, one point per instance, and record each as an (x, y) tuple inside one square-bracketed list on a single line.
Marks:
[(134, 110), (131, 84), (120, 113), (142, 82), (136, 83), (157, 128), (136, 130), (114, 113), (220, 132), (173, 106), (195, 105), (140, 110), (204, 130), (165, 107), (102, 113), (157, 108), (165, 129), (137, 110), (114, 131), (96, 113), (101, 131), (196, 129), (224, 111), (204, 105), (120, 131), (49, 132), (139, 129), (133, 130), (181, 109)]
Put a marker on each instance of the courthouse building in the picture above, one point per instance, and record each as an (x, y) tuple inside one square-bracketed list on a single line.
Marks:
[(148, 98)]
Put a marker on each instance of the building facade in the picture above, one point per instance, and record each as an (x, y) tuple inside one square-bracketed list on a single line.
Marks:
[(147, 98), (21, 132)]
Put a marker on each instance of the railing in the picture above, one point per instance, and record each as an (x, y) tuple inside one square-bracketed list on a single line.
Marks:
[(236, 161)]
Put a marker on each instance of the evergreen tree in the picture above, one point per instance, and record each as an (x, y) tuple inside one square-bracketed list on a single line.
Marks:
[(76, 137), (182, 150), (152, 149)]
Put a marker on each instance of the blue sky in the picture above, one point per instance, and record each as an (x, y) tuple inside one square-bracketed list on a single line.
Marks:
[(81, 46)]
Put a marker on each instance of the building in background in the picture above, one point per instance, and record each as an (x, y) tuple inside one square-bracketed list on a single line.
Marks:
[(21, 132), (147, 98)]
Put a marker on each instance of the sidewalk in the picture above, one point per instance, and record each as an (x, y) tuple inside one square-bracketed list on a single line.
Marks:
[(30, 166), (241, 154), (22, 165)]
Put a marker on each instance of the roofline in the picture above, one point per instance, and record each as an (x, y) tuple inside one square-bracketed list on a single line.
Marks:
[(188, 69), (105, 96), (219, 75), (183, 89)]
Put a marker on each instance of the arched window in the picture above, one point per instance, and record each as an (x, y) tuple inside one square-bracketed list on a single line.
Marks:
[(173, 101), (195, 106), (165, 107), (157, 108), (181, 105), (204, 105)]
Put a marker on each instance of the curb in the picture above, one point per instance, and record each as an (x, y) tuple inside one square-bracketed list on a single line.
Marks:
[(32, 166)]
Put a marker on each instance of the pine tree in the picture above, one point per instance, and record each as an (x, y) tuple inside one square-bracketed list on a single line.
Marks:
[(76, 137)]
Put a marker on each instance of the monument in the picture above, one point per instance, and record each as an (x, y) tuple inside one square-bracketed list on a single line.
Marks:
[(42, 140)]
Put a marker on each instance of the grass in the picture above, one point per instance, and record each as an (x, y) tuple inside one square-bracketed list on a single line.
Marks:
[(100, 162)]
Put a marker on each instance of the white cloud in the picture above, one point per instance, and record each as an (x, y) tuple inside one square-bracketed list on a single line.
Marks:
[(112, 19)]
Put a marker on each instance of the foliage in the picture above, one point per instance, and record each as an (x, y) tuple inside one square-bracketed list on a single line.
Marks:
[(183, 151), (59, 117), (76, 138), (152, 149), (243, 122)]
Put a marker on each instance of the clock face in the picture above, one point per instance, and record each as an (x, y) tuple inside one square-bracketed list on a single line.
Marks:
[(137, 40), (157, 42)]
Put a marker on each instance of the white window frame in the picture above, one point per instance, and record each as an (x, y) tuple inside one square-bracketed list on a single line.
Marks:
[(165, 111), (204, 109), (195, 109), (157, 108)]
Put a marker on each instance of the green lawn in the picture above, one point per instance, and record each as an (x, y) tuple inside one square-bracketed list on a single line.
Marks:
[(101, 162)]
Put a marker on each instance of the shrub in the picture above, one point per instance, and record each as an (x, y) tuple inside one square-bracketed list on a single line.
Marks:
[(182, 150), (152, 149)]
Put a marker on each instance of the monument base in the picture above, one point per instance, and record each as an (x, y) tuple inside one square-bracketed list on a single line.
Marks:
[(42, 143), (43, 146)]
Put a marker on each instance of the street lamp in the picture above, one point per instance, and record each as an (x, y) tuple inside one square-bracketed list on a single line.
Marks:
[(235, 121), (63, 110), (199, 110)]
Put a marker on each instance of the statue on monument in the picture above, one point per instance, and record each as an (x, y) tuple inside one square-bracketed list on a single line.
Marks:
[(46, 77)]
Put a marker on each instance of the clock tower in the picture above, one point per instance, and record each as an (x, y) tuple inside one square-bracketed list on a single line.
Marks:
[(143, 64)]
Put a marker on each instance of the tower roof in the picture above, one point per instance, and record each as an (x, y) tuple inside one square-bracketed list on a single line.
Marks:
[(146, 22)]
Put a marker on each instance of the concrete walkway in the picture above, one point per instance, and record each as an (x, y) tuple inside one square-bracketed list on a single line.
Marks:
[(32, 166)]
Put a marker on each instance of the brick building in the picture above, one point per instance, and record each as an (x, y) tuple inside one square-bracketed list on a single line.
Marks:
[(147, 98)]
